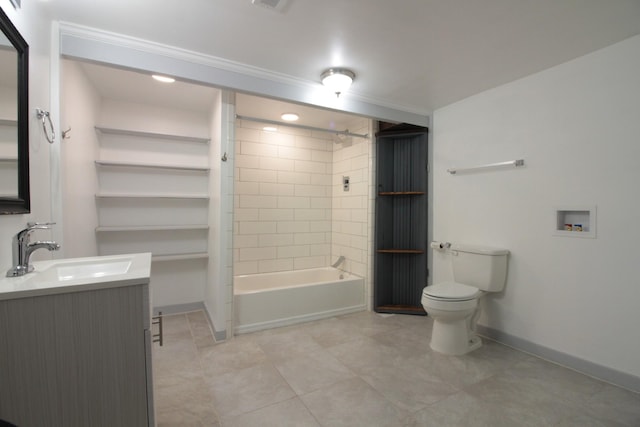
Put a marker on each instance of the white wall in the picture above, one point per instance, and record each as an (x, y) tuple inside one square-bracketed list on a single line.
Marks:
[(8, 93), (218, 293), (83, 108), (79, 109), (35, 28), (225, 286), (8, 133), (577, 127), (173, 282)]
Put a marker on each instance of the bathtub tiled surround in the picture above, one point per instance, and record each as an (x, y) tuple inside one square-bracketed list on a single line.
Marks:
[(282, 199), (367, 369), (291, 212), (350, 210)]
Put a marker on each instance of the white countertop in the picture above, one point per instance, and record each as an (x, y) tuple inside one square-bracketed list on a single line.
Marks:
[(78, 274)]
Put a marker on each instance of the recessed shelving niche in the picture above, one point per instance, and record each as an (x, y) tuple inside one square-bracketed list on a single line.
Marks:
[(575, 221), (157, 199)]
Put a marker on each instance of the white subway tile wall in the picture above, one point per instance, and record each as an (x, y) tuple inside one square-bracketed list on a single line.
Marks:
[(290, 208), (350, 220), (283, 199)]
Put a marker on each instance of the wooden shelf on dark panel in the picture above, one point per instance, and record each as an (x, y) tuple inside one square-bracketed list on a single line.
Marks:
[(400, 309), (401, 193), (401, 240), (400, 251)]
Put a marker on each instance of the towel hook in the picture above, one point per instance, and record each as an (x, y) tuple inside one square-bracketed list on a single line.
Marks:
[(44, 116)]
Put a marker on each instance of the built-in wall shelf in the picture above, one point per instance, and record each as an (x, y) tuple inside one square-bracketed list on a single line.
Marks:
[(151, 166), (575, 221), (8, 159), (400, 251), (179, 257), (8, 122), (107, 229), (401, 193), (154, 178), (153, 135), (151, 196), (400, 258)]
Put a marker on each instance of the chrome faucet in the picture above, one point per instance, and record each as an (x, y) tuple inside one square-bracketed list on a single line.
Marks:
[(338, 262), (22, 248)]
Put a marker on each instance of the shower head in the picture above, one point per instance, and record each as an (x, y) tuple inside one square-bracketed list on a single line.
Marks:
[(339, 138)]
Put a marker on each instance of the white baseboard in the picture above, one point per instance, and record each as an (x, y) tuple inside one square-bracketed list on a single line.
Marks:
[(254, 327), (621, 379)]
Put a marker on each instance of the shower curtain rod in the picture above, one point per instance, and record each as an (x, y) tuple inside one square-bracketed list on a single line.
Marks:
[(273, 122)]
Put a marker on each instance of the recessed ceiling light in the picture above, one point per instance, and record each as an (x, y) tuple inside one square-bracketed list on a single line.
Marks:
[(270, 129), (289, 117), (163, 79)]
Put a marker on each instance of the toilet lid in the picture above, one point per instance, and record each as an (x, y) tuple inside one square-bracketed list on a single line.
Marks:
[(452, 291)]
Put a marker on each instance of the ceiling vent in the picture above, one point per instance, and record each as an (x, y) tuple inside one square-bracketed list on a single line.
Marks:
[(278, 5)]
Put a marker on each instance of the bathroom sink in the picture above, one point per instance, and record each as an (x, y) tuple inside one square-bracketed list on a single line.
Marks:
[(76, 274), (86, 269)]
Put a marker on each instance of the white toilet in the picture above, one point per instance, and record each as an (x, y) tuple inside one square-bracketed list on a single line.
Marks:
[(454, 306)]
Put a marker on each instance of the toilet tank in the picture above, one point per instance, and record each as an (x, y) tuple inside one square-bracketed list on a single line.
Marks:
[(480, 266)]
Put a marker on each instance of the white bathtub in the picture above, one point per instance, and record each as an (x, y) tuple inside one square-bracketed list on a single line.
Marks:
[(269, 300)]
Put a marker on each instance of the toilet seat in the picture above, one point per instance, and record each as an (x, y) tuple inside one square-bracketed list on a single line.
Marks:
[(451, 291)]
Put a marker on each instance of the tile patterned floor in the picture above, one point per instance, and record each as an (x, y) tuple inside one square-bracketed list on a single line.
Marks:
[(369, 370)]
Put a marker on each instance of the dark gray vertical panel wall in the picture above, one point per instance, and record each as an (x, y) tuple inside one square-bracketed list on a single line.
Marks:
[(401, 219)]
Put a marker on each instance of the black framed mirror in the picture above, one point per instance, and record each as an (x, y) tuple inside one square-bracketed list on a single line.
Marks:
[(14, 120)]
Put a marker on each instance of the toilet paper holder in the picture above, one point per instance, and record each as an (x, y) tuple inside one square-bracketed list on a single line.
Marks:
[(440, 246)]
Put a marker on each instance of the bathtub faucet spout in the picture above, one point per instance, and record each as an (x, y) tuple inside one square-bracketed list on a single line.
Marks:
[(338, 262)]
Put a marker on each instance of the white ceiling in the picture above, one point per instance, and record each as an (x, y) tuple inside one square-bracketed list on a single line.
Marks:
[(131, 86), (269, 109), (417, 55), (125, 85)]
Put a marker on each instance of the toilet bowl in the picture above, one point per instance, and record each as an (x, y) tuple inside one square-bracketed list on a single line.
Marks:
[(455, 306)]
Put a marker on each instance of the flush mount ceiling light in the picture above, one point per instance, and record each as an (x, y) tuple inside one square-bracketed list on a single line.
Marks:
[(276, 5), (289, 117), (337, 79), (163, 79)]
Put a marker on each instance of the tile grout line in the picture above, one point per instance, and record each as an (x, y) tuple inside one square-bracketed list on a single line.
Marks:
[(210, 398)]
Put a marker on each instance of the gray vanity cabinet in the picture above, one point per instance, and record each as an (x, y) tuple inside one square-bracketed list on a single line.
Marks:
[(77, 358), (400, 259)]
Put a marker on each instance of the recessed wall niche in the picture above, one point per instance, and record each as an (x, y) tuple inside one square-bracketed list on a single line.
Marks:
[(575, 221)]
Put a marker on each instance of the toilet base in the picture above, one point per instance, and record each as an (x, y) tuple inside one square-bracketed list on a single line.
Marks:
[(453, 338)]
